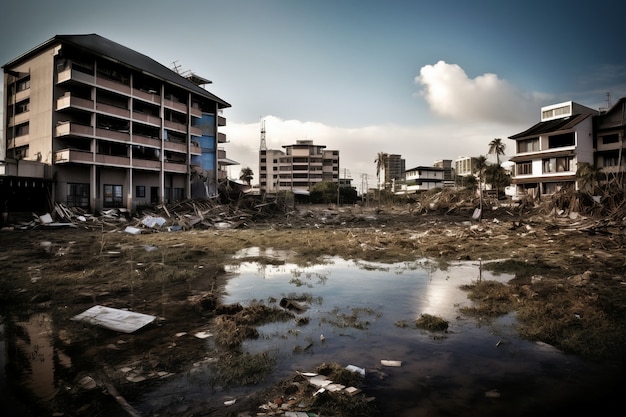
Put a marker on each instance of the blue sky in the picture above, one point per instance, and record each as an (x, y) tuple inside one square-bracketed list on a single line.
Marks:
[(428, 80)]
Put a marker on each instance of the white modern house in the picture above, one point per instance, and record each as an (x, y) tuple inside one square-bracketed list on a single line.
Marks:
[(548, 153)]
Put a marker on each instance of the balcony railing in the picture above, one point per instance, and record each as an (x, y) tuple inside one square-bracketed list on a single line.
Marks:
[(70, 74), (195, 131), (123, 161), (175, 126), (112, 134), (113, 85), (113, 110), (69, 101), (175, 146), (221, 121), (73, 129), (195, 112), (64, 156), (147, 96), (147, 119), (144, 140), (221, 138), (175, 105), (146, 164), (174, 167)]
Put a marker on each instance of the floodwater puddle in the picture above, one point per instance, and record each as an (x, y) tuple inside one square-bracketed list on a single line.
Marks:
[(352, 313)]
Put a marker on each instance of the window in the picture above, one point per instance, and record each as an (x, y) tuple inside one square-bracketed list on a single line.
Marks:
[(113, 196), (614, 138), (610, 159), (528, 145), (140, 191), (22, 107), (562, 164), (23, 84), (78, 195), (524, 168), (560, 141)]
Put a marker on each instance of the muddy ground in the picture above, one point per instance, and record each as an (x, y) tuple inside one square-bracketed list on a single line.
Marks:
[(569, 288)]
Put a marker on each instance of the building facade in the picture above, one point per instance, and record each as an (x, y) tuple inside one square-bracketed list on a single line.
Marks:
[(609, 140), (112, 127), (298, 168), (390, 171), (423, 178), (547, 154)]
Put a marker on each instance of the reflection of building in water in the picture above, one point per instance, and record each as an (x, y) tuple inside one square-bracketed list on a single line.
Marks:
[(31, 357)]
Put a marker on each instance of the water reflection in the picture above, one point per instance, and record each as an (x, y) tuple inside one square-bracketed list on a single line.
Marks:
[(356, 306)]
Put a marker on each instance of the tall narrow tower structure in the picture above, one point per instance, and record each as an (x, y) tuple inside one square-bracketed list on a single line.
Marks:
[(263, 144)]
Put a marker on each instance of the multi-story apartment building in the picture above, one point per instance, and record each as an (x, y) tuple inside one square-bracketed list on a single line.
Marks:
[(112, 127), (464, 166), (298, 168), (547, 154), (610, 139), (390, 171)]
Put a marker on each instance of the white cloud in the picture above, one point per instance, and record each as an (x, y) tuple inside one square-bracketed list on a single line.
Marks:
[(451, 93)]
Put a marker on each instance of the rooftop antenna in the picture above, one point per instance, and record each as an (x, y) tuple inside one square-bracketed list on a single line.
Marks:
[(608, 100), (263, 144), (175, 66)]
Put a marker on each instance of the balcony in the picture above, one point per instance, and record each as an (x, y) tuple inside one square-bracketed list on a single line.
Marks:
[(73, 129), (221, 121), (179, 127), (146, 164), (221, 138), (113, 110), (71, 102), (145, 140), (195, 148), (65, 156), (195, 131), (175, 167), (149, 96), (147, 119), (19, 119), (115, 160), (175, 105), (109, 134), (195, 112), (69, 74), (175, 146), (113, 85)]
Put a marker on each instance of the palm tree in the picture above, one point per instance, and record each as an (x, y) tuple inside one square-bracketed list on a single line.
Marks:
[(246, 175), (380, 161), (496, 147), (588, 175)]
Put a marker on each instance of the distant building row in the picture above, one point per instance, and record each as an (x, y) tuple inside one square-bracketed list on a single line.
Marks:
[(547, 155)]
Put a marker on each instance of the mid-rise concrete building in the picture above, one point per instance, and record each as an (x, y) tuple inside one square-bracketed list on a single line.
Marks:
[(110, 126), (298, 168)]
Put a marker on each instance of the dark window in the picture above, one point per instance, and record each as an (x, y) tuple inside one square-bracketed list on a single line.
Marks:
[(113, 196), (614, 138), (140, 191), (78, 195), (560, 141)]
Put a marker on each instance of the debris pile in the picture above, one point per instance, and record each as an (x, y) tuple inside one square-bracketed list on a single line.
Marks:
[(184, 215)]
